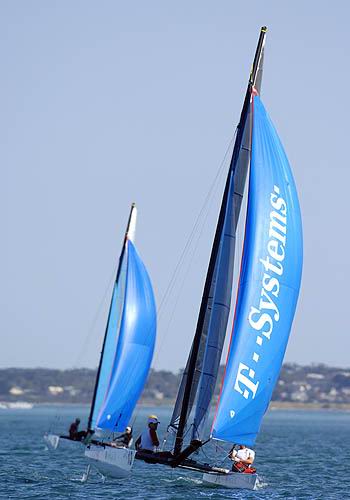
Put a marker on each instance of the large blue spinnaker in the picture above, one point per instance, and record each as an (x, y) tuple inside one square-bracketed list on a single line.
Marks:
[(135, 347), (268, 290)]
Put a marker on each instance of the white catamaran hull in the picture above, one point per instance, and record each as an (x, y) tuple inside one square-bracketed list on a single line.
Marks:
[(232, 480), (114, 462), (53, 441)]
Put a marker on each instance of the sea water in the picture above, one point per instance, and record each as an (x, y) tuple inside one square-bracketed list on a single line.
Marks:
[(299, 454)]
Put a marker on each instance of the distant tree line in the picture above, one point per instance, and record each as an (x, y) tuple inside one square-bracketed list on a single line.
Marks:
[(297, 384)]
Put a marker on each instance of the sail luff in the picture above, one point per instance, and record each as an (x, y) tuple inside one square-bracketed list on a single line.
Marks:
[(130, 231)]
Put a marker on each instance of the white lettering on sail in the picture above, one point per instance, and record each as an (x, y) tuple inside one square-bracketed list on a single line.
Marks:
[(266, 302), (261, 321), (263, 316), (271, 284), (245, 381)]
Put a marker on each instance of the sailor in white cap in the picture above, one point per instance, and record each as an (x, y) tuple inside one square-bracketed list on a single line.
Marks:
[(149, 439)]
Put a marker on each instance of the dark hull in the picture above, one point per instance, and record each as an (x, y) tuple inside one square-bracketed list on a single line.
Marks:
[(168, 459)]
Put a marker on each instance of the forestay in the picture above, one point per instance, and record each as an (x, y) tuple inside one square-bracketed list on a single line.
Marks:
[(268, 290)]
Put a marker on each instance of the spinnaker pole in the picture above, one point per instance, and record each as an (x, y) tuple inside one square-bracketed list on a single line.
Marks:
[(129, 234), (213, 257)]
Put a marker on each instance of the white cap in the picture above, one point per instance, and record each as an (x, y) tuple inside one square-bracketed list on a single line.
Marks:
[(153, 419)]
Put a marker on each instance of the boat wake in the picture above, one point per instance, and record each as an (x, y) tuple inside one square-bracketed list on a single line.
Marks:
[(184, 480), (260, 484)]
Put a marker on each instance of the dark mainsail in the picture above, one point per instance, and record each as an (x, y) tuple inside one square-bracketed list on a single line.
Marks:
[(221, 302), (202, 366), (198, 367)]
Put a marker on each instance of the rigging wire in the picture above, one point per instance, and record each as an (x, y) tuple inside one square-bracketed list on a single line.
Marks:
[(192, 241), (194, 236), (56, 417), (185, 277), (203, 214), (95, 318), (205, 209)]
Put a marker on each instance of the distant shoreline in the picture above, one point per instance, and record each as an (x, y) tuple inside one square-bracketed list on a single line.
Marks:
[(278, 405), (298, 387), (274, 405)]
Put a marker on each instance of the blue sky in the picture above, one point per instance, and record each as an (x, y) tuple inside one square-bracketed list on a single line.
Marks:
[(106, 103)]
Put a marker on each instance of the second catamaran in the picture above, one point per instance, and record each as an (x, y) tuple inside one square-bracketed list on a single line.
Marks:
[(125, 358), (266, 301), (125, 361)]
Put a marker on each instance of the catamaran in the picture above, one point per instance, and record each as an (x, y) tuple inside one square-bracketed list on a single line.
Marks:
[(266, 300), (125, 361)]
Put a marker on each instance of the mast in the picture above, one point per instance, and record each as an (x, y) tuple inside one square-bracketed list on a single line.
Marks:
[(255, 74), (129, 235), (216, 244)]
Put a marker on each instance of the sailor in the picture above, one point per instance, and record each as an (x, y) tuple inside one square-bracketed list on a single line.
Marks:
[(74, 432), (242, 459), (148, 441), (124, 440)]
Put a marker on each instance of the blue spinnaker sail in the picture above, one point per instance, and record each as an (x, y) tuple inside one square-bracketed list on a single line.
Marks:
[(134, 351), (268, 290)]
